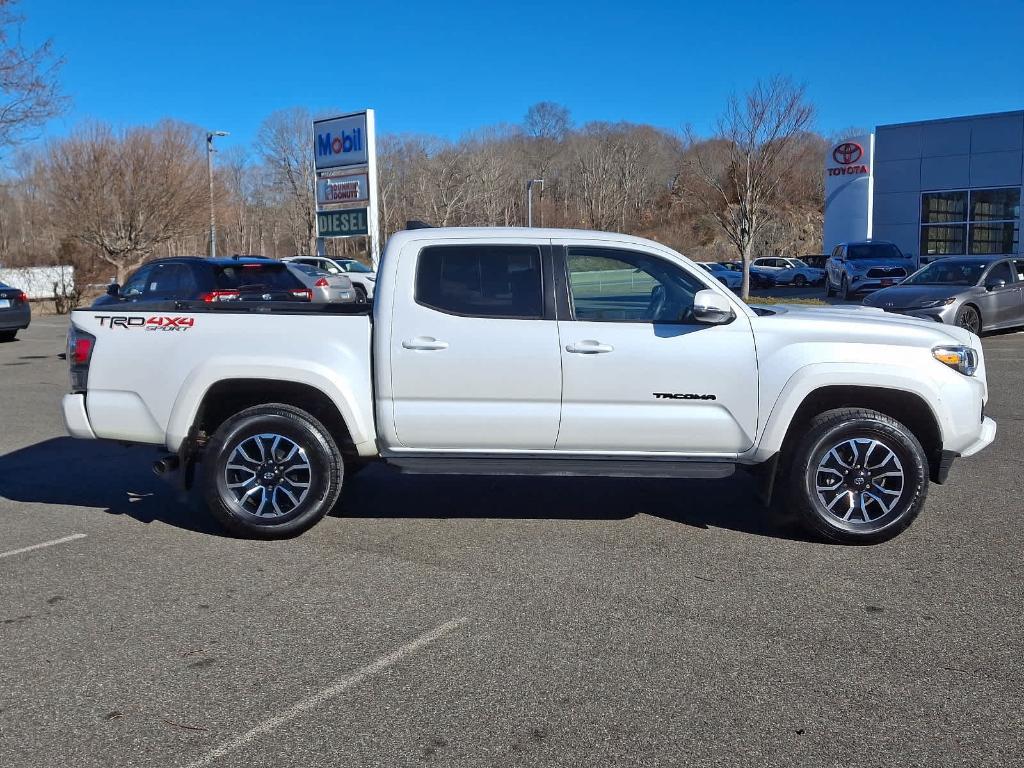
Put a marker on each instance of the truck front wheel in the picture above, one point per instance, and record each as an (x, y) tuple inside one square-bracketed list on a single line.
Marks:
[(857, 476), (271, 471)]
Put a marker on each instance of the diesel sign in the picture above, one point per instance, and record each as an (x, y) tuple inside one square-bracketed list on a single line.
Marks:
[(342, 223)]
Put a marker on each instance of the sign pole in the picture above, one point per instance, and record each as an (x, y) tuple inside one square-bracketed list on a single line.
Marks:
[(374, 226)]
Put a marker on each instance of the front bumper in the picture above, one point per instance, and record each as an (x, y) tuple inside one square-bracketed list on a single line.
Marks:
[(984, 439), (860, 284), (76, 419)]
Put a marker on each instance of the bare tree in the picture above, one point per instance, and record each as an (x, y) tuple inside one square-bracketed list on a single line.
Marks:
[(735, 178), (285, 143), (29, 95), (125, 195)]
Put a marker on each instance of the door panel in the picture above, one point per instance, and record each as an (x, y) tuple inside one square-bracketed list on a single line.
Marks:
[(1000, 306), (638, 374), (474, 362)]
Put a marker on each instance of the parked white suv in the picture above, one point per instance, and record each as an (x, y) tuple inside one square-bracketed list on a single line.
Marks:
[(532, 351), (363, 278)]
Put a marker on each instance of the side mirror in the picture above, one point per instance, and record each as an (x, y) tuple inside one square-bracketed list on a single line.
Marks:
[(712, 308), (113, 289), (992, 285)]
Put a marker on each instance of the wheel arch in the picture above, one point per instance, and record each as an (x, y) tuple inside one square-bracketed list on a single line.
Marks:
[(227, 397), (908, 407), (201, 408)]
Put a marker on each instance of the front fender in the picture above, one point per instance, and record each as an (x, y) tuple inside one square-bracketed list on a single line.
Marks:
[(818, 375)]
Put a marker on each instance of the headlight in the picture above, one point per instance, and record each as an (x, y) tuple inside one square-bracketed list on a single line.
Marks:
[(963, 359), (939, 302), (371, 278)]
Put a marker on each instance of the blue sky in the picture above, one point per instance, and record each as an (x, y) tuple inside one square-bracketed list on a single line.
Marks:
[(449, 67)]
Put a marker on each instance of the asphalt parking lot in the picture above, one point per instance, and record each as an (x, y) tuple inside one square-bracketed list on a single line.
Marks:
[(496, 621)]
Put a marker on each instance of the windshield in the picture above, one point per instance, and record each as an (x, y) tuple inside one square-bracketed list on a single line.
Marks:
[(948, 273), (354, 266), (873, 251)]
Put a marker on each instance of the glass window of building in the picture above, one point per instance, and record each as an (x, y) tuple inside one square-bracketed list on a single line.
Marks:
[(978, 221)]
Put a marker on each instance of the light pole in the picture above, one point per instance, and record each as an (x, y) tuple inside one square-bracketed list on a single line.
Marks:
[(529, 199), (209, 171)]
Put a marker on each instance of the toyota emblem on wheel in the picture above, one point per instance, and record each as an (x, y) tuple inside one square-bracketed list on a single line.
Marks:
[(847, 153)]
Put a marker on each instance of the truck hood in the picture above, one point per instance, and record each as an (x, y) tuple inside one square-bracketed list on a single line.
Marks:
[(863, 324)]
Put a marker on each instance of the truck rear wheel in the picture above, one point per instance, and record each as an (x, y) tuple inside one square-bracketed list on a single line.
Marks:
[(271, 471), (857, 476)]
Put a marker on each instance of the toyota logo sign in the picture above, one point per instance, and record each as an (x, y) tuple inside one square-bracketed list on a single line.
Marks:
[(847, 153)]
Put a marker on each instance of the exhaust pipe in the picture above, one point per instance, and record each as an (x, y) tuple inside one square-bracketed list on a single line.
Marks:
[(167, 464)]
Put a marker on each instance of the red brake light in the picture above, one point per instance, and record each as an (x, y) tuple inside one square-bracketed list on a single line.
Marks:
[(213, 296), (81, 350), (321, 283), (21, 298), (303, 294), (80, 347)]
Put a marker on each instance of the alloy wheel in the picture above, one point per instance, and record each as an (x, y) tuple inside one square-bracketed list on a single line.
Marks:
[(268, 475), (969, 319), (859, 481)]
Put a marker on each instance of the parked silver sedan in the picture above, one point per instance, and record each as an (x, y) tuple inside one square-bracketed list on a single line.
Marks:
[(979, 293), (327, 288), (15, 312)]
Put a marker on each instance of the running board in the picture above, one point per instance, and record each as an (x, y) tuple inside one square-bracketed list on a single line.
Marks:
[(425, 465)]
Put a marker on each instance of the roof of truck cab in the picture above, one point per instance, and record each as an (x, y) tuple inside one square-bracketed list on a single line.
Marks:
[(517, 233)]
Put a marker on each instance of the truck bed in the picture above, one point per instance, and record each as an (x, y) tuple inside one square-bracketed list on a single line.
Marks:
[(151, 368)]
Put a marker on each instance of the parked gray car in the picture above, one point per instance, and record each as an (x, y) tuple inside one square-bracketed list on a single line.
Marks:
[(865, 266), (15, 312), (326, 288), (979, 293)]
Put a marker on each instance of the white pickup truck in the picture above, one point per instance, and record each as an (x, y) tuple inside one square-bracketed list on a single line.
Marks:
[(533, 351)]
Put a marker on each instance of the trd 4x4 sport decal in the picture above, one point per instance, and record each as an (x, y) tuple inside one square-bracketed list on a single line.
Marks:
[(683, 396), (152, 323)]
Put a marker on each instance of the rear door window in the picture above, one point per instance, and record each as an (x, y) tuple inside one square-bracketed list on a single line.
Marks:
[(481, 280), (255, 277)]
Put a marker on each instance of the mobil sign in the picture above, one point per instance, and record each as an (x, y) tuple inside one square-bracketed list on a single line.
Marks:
[(340, 141)]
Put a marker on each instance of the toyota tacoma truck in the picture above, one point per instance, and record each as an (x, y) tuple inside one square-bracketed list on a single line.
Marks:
[(535, 352)]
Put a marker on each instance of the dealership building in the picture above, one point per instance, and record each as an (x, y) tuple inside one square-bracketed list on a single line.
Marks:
[(935, 188)]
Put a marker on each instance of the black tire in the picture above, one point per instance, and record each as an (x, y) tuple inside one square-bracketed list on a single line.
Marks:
[(8, 335), (361, 297), (869, 521), (969, 317), (324, 476), (844, 289), (800, 281), (829, 290)]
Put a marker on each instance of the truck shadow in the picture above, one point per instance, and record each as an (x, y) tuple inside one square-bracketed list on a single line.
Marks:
[(732, 504), (96, 473), (119, 480)]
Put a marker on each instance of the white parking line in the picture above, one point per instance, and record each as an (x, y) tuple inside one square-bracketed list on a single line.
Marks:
[(329, 693), (65, 540)]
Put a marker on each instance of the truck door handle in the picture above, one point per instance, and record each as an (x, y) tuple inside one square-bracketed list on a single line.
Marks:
[(424, 342), (589, 347)]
